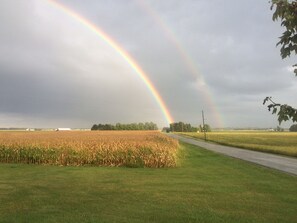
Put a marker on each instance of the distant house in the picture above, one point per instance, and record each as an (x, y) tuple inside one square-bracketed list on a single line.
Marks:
[(63, 129), (29, 129)]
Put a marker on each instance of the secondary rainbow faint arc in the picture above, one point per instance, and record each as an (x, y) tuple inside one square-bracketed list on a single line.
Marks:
[(121, 51), (186, 58)]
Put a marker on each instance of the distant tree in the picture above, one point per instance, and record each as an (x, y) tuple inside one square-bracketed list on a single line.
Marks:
[(140, 126), (205, 128), (293, 128), (107, 127), (100, 127), (118, 126), (176, 127), (182, 127), (194, 129), (286, 11), (166, 129), (131, 126), (94, 127), (187, 128), (150, 126), (146, 126), (279, 129)]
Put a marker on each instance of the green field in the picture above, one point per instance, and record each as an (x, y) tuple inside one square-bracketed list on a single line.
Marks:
[(206, 187), (284, 143)]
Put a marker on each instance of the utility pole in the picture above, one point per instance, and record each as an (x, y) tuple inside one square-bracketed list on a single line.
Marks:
[(204, 130)]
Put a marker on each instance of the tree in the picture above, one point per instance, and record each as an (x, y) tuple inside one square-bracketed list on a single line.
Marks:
[(182, 127), (286, 11), (279, 129), (166, 129), (205, 128), (94, 127), (131, 126), (293, 128)]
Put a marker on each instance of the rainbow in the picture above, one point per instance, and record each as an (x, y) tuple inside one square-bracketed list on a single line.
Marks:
[(187, 60), (99, 32)]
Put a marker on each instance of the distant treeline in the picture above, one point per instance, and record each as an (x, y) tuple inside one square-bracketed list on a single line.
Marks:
[(132, 126), (185, 127), (182, 127)]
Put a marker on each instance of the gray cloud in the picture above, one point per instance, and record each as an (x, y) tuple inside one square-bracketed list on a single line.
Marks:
[(54, 71)]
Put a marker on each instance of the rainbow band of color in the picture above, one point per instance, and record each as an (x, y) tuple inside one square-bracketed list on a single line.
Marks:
[(185, 57), (122, 52)]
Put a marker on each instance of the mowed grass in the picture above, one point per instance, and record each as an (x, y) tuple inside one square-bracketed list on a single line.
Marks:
[(284, 143), (207, 187)]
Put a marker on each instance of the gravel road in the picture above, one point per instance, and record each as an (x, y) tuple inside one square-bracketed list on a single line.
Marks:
[(282, 163)]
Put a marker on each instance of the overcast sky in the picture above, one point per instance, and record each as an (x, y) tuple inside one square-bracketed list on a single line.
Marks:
[(218, 56)]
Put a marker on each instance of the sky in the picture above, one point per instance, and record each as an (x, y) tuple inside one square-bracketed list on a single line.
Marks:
[(217, 56)]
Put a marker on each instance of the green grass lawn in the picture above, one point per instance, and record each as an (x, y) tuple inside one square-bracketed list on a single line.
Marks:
[(284, 143), (206, 187)]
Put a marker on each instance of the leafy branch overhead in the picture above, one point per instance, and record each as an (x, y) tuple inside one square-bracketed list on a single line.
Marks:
[(286, 11), (284, 112)]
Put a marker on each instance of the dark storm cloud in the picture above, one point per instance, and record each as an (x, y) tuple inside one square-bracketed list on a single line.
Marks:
[(50, 74), (54, 70)]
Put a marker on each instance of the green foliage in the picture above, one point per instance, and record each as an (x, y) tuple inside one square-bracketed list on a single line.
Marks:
[(182, 127), (284, 112), (293, 128), (205, 128), (286, 11), (132, 126), (279, 129), (94, 127), (166, 129)]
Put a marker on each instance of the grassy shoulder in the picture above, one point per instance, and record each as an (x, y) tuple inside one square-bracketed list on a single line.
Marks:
[(206, 187), (284, 143)]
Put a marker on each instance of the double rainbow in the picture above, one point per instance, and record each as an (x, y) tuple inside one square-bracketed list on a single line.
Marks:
[(133, 64)]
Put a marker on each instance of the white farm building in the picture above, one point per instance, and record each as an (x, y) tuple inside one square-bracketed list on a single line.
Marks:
[(63, 129)]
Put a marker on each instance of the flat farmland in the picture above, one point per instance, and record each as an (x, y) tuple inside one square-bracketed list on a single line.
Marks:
[(98, 148), (193, 185), (206, 187), (284, 143)]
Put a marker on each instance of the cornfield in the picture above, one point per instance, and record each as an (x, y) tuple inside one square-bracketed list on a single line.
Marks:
[(103, 148)]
